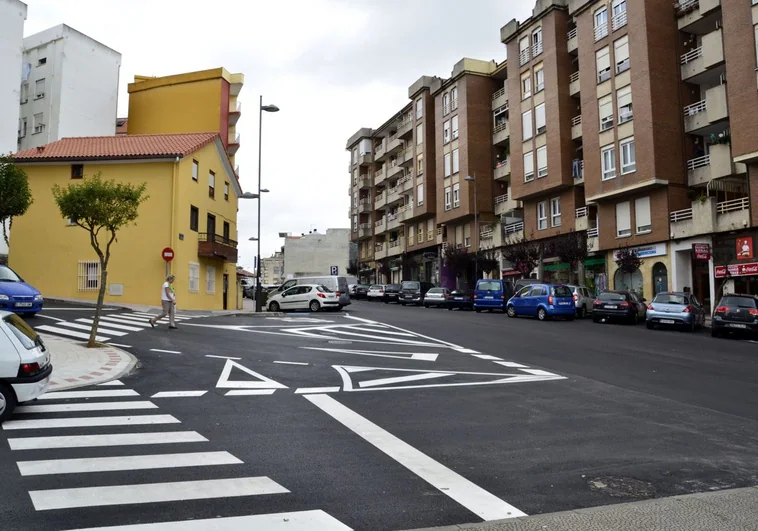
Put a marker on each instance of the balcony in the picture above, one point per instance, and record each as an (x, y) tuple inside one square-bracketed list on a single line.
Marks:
[(234, 144), (537, 49), (405, 183), (501, 133), (430, 235), (704, 116), (577, 171), (393, 221), (706, 216), (601, 31), (502, 169), (380, 201), (364, 206), (733, 214), (573, 41), (393, 195), (593, 240), (505, 203), (380, 226), (523, 57), (380, 176), (583, 221), (394, 144), (718, 163), (364, 181), (499, 98), (405, 126), (619, 20), (364, 231), (454, 104), (235, 111), (364, 159), (574, 84), (513, 231), (405, 212), (576, 127), (393, 168), (380, 251), (396, 247), (695, 14), (695, 64), (380, 150), (216, 247), (406, 157)]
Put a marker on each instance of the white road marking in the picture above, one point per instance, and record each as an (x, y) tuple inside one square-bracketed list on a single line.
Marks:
[(89, 406), (115, 439), (418, 356), (467, 350), (112, 383), (131, 318), (91, 309), (45, 500), (437, 341), (165, 351), (81, 422), (511, 364), (111, 324), (127, 322), (296, 521), (100, 329), (375, 330), (291, 362), (486, 357), (50, 317), (538, 372), (119, 345), (262, 383), (177, 394), (309, 390), (251, 392), (222, 357), (474, 498), (69, 333), (85, 465), (402, 379), (105, 393)]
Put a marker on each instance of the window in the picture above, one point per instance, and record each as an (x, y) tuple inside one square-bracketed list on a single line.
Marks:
[(642, 215), (526, 86), (555, 212), (539, 118), (211, 185), (445, 103), (420, 164), (623, 221), (194, 277), (539, 79), (77, 171), (446, 131), (41, 61), (448, 165), (628, 157), (420, 234), (542, 215), (355, 155), (195, 170), (448, 199), (523, 49), (536, 42), (227, 231), (467, 241), (605, 106), (24, 92), (89, 275), (603, 59), (39, 89), (210, 280), (456, 162), (419, 134), (528, 166), (194, 218), (619, 14), (542, 161), (419, 109), (39, 123), (601, 23), (22, 128), (526, 125), (355, 223), (624, 101), (456, 195), (453, 98), (621, 54), (226, 191), (420, 194), (454, 122), (608, 160)]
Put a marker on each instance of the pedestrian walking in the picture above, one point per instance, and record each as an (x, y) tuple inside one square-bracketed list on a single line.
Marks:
[(168, 302)]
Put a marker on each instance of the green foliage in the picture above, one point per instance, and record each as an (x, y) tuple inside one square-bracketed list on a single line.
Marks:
[(15, 195), (627, 260), (352, 268), (571, 248), (487, 261), (458, 260), (522, 253)]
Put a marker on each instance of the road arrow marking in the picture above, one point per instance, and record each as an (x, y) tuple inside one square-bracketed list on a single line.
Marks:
[(262, 383)]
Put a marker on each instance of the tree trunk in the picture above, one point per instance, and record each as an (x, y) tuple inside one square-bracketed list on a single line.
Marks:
[(99, 307)]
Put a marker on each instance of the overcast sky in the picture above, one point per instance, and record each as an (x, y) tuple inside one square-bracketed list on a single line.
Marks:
[(332, 66)]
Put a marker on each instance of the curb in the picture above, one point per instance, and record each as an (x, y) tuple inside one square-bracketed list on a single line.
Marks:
[(98, 375)]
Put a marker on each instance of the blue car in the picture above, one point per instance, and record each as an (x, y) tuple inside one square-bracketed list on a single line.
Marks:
[(492, 294), (16, 295), (543, 301)]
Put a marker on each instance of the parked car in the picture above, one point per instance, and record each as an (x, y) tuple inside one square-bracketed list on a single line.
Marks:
[(361, 292), (736, 313), (675, 309), (543, 301), (336, 284), (583, 299), (375, 292), (624, 306), (461, 299), (312, 297), (413, 292), (25, 366), (351, 290), (492, 294), (436, 297), (16, 295), (391, 293), (523, 282)]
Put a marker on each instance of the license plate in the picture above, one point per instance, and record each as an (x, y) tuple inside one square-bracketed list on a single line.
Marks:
[(563, 304), (458, 298), (489, 297), (23, 305), (611, 306), (667, 321), (735, 325)]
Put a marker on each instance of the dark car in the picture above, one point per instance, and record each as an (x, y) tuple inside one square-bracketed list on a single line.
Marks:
[(625, 306), (461, 299), (391, 293), (361, 291), (736, 313), (413, 292)]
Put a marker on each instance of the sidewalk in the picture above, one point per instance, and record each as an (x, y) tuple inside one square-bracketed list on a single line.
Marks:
[(249, 308), (75, 365), (726, 510)]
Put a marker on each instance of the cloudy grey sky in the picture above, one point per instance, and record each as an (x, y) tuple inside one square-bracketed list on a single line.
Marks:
[(332, 66)]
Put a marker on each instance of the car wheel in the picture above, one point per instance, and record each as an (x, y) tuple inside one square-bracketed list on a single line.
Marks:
[(595, 319), (7, 402), (581, 312), (692, 327), (314, 306), (511, 311), (273, 307), (541, 314), (649, 325), (426, 306)]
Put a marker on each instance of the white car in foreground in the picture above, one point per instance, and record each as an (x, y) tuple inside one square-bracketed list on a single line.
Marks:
[(25, 366), (312, 297)]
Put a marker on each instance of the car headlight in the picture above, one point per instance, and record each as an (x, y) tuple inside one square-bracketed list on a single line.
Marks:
[(4, 298), (38, 298)]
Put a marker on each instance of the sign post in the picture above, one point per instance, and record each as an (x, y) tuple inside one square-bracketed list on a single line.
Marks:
[(167, 254)]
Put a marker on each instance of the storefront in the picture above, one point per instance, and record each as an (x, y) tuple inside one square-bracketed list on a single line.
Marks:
[(736, 263), (594, 274), (651, 278), (367, 274), (692, 268)]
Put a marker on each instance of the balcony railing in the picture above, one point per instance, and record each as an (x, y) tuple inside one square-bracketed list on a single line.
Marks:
[(513, 228), (365, 226), (379, 247), (379, 223), (391, 217), (692, 55), (695, 108), (571, 34), (698, 162), (743, 203), (430, 235), (499, 93), (685, 6), (582, 212), (681, 215), (216, 246), (576, 120), (454, 104), (537, 49), (593, 233), (523, 56), (619, 20), (486, 234), (501, 199), (395, 243), (577, 169), (445, 108), (574, 77), (601, 31), (501, 127)]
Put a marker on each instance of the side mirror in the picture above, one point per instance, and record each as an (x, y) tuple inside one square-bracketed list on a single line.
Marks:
[(284, 295)]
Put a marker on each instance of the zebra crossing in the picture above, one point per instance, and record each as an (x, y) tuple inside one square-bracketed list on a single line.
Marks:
[(111, 326), (38, 431)]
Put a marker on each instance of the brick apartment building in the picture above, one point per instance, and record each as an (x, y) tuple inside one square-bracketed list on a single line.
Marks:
[(550, 140)]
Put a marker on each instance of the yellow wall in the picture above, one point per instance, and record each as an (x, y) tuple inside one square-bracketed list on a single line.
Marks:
[(646, 269)]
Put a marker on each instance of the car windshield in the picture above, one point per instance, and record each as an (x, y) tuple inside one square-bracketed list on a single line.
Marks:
[(671, 298), (490, 285), (411, 285), (375, 286), (436, 290), (611, 296), (561, 291), (738, 302), (393, 286), (23, 332), (8, 275)]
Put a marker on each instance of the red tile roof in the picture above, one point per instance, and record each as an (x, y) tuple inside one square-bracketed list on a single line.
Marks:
[(118, 147)]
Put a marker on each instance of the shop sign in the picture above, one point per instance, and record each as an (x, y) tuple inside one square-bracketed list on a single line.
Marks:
[(701, 251), (737, 270), (744, 248), (646, 251)]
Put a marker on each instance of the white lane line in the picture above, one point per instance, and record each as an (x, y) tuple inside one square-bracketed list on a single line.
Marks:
[(69, 333), (166, 351), (295, 521), (417, 356), (100, 329), (402, 379), (105, 393), (222, 357), (127, 322), (45, 500), (250, 392), (82, 422), (438, 342), (310, 390), (85, 465), (90, 309), (92, 406), (111, 325), (474, 498), (375, 331), (177, 394), (112, 383), (511, 364), (467, 350), (487, 357), (538, 372), (291, 362), (51, 317), (115, 439), (119, 345)]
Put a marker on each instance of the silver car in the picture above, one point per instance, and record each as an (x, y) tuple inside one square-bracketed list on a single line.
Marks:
[(583, 299), (436, 297), (674, 308)]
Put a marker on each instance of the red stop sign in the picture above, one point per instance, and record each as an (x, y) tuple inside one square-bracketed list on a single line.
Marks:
[(168, 254)]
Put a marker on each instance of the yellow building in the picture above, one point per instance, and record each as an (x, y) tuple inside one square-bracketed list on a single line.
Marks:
[(187, 103), (192, 209)]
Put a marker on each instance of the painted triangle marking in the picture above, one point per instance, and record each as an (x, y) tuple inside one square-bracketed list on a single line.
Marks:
[(401, 379), (263, 382), (417, 356)]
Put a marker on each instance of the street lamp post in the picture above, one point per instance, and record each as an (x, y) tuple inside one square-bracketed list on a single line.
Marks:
[(476, 226)]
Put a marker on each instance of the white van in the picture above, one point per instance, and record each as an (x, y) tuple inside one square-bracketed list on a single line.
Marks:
[(339, 285), (25, 366)]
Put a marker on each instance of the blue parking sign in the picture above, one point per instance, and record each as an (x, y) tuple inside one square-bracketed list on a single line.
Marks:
[(334, 270)]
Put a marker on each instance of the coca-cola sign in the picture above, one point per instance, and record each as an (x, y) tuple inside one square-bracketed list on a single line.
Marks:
[(737, 270), (701, 251)]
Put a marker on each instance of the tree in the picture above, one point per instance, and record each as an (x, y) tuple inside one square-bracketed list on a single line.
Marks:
[(457, 260), (352, 268), (487, 261), (628, 261), (523, 254), (571, 248), (15, 195), (102, 208)]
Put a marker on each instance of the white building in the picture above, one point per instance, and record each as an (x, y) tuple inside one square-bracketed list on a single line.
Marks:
[(69, 87), (316, 253), (272, 269)]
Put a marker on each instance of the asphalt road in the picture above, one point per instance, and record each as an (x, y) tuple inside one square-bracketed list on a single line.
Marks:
[(391, 418)]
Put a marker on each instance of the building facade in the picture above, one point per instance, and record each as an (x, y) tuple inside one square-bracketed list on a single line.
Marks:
[(317, 254), (272, 269)]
